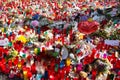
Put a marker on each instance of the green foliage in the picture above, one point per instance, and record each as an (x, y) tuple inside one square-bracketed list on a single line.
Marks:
[(100, 33)]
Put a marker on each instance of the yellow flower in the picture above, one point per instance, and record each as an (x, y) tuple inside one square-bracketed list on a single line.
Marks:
[(2, 29), (13, 41), (19, 65), (15, 53), (68, 62), (35, 50), (22, 39), (90, 19), (25, 73), (81, 36)]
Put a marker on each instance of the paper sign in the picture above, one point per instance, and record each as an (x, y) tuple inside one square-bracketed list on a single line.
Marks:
[(4, 42), (64, 52), (112, 42)]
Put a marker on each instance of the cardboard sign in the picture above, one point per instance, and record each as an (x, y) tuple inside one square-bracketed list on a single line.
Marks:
[(4, 42), (112, 42)]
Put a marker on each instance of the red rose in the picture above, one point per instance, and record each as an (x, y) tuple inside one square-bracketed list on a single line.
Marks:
[(87, 27)]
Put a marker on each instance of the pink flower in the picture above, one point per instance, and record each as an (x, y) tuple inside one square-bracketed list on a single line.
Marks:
[(35, 23), (119, 73)]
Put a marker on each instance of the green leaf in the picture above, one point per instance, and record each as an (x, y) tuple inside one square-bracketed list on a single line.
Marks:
[(55, 54)]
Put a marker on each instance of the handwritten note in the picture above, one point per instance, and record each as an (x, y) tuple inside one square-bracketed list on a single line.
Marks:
[(112, 42), (4, 42)]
